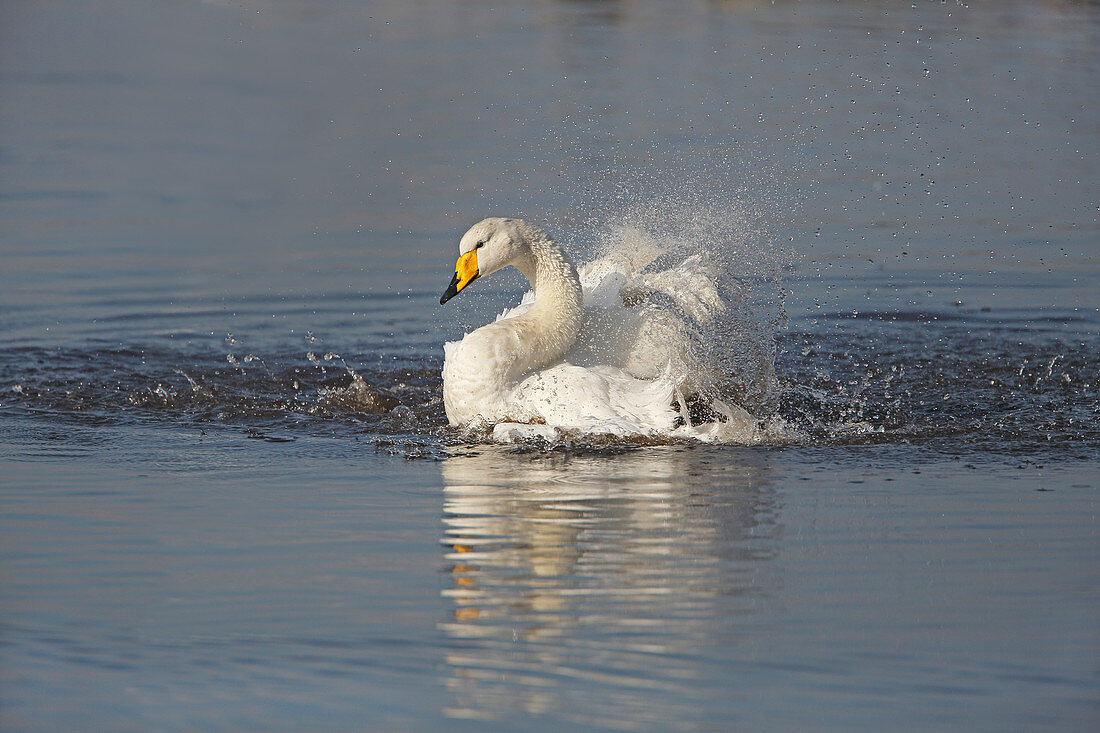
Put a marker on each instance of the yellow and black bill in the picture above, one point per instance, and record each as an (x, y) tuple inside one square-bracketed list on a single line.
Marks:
[(465, 273)]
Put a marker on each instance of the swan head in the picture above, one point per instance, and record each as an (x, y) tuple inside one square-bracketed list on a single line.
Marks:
[(488, 246)]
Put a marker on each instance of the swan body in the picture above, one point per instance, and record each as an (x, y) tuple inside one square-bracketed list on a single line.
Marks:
[(584, 351)]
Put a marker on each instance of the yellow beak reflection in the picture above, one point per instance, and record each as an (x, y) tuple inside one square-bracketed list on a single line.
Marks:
[(465, 273)]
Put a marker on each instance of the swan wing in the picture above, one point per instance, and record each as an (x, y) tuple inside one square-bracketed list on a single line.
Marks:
[(597, 400)]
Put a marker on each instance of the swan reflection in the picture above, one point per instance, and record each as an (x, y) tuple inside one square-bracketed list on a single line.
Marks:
[(589, 586)]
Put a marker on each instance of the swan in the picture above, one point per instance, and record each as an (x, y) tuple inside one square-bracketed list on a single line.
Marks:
[(585, 352)]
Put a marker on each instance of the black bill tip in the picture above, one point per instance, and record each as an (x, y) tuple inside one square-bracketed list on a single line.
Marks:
[(451, 291)]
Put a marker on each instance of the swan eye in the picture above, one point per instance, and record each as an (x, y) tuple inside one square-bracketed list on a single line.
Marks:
[(479, 245)]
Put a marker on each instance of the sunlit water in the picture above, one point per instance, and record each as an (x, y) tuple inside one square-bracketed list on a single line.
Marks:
[(230, 499)]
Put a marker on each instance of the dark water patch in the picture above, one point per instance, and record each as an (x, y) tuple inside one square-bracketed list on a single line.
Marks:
[(282, 395), (986, 389)]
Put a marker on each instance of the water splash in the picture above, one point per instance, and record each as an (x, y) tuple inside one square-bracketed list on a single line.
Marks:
[(357, 396), (738, 346)]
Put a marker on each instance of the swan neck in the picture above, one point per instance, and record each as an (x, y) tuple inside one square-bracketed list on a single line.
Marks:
[(554, 280), (557, 310)]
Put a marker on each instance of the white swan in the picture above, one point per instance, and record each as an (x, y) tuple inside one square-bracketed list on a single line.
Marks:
[(586, 353)]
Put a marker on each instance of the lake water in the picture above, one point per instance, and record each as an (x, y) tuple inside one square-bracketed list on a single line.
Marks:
[(228, 496)]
